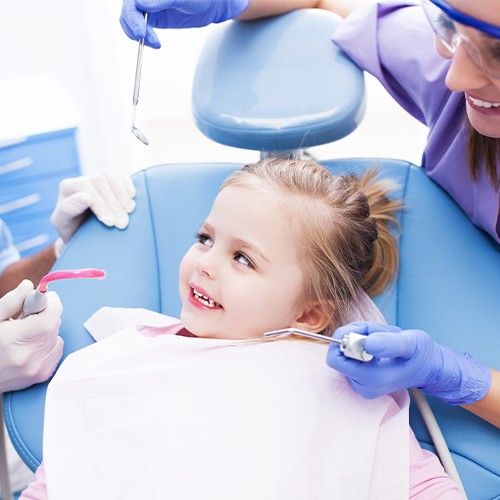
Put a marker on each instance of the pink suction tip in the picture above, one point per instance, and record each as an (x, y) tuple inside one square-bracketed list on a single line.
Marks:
[(72, 273)]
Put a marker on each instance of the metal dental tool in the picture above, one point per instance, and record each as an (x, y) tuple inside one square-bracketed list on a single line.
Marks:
[(135, 99), (352, 345)]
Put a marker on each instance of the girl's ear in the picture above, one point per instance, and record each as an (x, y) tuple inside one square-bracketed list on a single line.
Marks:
[(313, 318)]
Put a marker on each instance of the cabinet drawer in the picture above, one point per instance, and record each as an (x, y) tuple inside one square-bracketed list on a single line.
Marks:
[(37, 156), (21, 200), (32, 234)]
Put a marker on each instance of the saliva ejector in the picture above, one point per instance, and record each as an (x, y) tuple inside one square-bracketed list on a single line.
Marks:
[(352, 345), (36, 301)]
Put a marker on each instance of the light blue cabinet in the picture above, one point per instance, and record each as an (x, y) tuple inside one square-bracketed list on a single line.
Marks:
[(30, 171)]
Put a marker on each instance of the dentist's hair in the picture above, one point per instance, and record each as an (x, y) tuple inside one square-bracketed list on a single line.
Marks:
[(344, 224)]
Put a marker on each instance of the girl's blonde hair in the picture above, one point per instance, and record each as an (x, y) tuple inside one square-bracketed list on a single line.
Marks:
[(344, 224)]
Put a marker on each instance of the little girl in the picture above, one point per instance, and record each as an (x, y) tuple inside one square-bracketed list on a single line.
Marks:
[(206, 407)]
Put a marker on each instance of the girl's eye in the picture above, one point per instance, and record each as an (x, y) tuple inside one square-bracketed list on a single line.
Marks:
[(204, 239), (243, 259)]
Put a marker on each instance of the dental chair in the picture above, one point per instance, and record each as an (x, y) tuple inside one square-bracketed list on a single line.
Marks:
[(279, 86)]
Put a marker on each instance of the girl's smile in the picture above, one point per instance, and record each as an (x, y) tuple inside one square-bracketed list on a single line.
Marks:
[(198, 298)]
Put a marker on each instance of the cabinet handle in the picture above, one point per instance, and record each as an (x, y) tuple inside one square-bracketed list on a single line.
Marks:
[(39, 239), (12, 166), (5, 143), (25, 201)]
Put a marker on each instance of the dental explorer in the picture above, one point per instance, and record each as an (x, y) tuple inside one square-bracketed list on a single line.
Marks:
[(135, 98), (352, 345)]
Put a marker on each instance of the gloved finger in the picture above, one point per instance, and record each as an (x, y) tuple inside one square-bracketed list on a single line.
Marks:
[(368, 391), (159, 5), (44, 325), (50, 361), (364, 328), (151, 39), (335, 359), (132, 20), (74, 205), (133, 24), (127, 30), (123, 188), (12, 302), (103, 201), (392, 345), (105, 205)]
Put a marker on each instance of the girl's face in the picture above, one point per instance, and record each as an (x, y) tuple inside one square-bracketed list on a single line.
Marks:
[(482, 91), (242, 277)]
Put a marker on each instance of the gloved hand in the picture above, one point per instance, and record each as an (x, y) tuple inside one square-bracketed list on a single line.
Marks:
[(30, 348), (109, 195), (174, 14), (410, 358)]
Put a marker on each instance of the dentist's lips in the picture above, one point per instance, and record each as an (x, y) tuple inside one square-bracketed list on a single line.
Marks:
[(484, 107), (199, 299)]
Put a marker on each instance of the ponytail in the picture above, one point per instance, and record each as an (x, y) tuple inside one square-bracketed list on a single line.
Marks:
[(383, 210)]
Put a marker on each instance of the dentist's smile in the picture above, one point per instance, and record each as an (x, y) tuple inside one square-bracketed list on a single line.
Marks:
[(483, 106)]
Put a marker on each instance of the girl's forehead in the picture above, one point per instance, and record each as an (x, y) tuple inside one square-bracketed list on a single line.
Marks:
[(258, 203), (253, 192)]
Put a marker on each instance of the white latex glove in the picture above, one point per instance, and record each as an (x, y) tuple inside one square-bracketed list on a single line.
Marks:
[(109, 195), (30, 348)]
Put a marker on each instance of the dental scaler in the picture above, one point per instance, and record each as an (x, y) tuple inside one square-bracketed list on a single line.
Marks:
[(36, 301), (352, 345)]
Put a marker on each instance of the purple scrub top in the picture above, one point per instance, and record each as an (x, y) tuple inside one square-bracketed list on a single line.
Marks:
[(393, 41)]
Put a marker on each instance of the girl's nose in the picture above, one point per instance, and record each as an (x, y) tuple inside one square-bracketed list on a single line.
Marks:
[(206, 264)]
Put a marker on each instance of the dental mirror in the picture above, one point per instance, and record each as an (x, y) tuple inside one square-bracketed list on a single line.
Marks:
[(135, 98)]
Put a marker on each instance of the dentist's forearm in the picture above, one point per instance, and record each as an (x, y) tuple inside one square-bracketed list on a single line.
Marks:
[(265, 8), (33, 268), (488, 408)]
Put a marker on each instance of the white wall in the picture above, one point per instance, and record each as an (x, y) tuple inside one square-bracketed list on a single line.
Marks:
[(80, 45)]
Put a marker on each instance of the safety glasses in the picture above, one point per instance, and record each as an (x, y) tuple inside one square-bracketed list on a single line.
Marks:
[(481, 40)]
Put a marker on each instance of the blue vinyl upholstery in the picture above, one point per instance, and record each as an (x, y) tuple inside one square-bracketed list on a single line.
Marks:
[(448, 283), (258, 85)]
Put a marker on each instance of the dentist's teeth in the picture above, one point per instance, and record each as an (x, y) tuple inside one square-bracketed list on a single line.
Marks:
[(484, 104)]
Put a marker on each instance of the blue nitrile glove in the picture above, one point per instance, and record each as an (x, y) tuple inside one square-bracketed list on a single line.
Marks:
[(410, 358), (174, 14)]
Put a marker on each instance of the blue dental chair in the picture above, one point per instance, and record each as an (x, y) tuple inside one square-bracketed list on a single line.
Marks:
[(279, 86)]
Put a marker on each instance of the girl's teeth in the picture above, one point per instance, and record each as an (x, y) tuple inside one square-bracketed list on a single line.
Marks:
[(484, 104), (206, 301)]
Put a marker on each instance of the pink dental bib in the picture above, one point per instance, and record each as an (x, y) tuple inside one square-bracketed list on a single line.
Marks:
[(171, 417)]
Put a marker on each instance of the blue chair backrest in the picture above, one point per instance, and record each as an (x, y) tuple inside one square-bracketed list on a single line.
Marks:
[(448, 280), (277, 84)]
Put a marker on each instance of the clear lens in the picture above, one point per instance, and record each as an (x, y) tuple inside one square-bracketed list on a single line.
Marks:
[(481, 48), (490, 55), (443, 26)]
